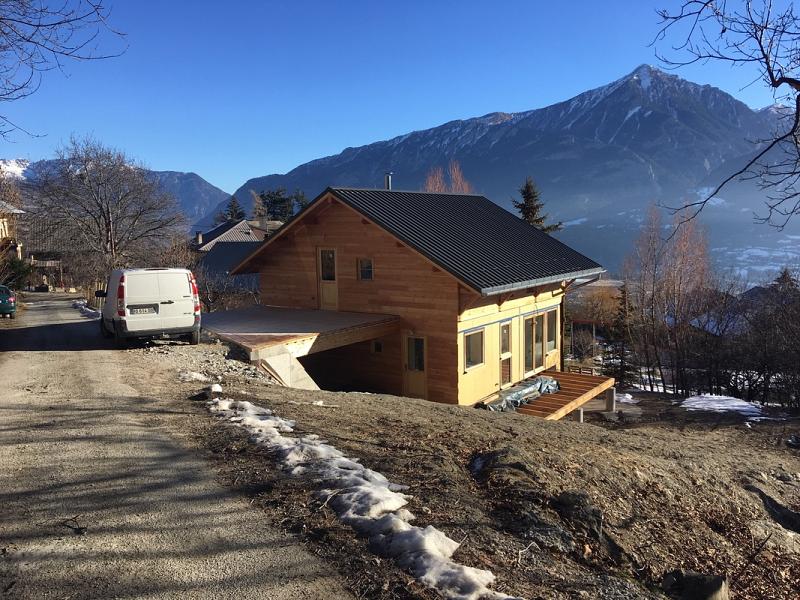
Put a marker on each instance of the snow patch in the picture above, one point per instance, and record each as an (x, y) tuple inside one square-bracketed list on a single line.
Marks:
[(86, 310), (627, 399), (14, 168), (187, 376), (723, 404), (365, 500)]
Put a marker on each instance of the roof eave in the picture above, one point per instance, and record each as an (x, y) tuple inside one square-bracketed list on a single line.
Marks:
[(521, 285)]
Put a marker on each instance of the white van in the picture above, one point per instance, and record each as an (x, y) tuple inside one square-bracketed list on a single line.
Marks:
[(150, 303)]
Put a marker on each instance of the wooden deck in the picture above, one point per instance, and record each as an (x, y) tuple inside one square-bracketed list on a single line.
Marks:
[(576, 389)]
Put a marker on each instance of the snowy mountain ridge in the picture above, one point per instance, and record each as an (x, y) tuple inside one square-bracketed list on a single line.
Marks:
[(195, 195), (599, 158)]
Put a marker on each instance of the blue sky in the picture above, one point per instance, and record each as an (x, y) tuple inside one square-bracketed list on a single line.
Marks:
[(245, 88)]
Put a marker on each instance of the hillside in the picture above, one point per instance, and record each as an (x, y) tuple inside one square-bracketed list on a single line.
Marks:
[(553, 509), (600, 159), (196, 197)]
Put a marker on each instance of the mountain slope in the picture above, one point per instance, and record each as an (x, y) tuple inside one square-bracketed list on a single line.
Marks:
[(599, 158), (196, 197)]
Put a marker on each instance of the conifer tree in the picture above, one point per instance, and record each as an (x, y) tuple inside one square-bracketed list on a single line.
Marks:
[(233, 212), (530, 208), (620, 339)]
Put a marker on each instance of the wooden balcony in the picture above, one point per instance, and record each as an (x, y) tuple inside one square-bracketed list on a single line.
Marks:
[(575, 390)]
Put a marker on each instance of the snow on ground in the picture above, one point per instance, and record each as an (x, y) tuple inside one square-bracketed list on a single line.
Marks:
[(186, 376), (627, 399), (365, 500), (722, 404), (86, 311)]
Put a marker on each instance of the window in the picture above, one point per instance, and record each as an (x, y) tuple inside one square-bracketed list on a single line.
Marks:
[(534, 342), (365, 269), (539, 351), (327, 265), (416, 354), (473, 349), (505, 338), (528, 327), (552, 330)]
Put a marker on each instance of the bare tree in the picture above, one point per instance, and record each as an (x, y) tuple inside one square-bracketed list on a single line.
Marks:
[(434, 181), (455, 182), (458, 183), (10, 201), (38, 36), (763, 36), (112, 210)]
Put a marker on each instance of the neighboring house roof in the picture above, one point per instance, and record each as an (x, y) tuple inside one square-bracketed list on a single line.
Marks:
[(469, 236), (224, 256), (8, 209), (231, 231)]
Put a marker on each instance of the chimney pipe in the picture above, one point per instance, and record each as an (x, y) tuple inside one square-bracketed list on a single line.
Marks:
[(387, 180), (198, 238)]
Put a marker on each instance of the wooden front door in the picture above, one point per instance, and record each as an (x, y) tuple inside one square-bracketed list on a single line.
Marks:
[(415, 366), (328, 286)]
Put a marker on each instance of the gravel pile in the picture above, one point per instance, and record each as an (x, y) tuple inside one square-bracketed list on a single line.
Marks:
[(214, 359)]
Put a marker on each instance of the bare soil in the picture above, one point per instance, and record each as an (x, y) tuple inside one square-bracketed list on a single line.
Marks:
[(554, 509)]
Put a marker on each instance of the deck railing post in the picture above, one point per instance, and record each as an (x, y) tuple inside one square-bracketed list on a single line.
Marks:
[(611, 400)]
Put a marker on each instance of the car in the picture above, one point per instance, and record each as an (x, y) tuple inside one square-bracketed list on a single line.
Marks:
[(8, 302), (155, 303)]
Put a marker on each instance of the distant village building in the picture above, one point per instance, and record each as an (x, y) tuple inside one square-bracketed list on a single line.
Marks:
[(227, 245), (9, 243)]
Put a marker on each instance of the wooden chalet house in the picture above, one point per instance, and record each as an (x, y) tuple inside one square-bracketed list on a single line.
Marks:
[(479, 293)]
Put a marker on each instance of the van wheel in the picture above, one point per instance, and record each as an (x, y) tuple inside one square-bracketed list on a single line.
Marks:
[(12, 316), (194, 338)]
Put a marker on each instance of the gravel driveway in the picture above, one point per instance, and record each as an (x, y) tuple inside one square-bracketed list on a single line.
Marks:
[(101, 495)]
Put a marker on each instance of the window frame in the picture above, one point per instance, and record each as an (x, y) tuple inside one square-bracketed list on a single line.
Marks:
[(548, 314), (322, 277), (359, 271), (532, 318), (508, 351), (467, 334)]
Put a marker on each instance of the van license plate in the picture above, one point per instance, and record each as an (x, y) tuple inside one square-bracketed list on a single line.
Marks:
[(142, 311)]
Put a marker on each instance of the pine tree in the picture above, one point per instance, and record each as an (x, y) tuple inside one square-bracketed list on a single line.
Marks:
[(233, 212), (530, 208), (277, 205), (619, 334)]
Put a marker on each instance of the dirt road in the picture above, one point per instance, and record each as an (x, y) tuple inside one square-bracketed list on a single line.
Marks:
[(101, 496)]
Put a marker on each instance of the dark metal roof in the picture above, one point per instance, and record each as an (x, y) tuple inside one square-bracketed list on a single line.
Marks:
[(231, 231), (224, 256), (471, 237)]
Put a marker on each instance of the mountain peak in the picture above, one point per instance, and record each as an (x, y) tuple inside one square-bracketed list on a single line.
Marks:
[(644, 75)]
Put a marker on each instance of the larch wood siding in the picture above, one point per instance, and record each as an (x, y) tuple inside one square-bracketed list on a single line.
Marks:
[(487, 314), (404, 284)]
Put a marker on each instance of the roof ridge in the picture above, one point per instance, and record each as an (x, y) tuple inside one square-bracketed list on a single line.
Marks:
[(420, 192)]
